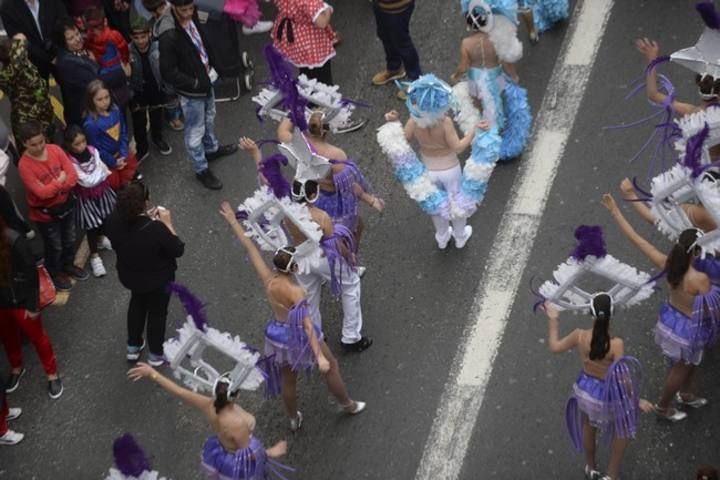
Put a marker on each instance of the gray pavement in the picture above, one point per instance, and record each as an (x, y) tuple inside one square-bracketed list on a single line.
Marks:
[(416, 299)]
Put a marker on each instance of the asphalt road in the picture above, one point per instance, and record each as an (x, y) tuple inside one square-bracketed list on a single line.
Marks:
[(416, 299)]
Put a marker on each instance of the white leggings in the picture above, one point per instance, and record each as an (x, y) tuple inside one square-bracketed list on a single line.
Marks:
[(451, 180)]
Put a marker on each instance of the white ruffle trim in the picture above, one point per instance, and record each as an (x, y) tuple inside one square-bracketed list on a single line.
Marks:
[(670, 190), (115, 474), (693, 123), (630, 286)]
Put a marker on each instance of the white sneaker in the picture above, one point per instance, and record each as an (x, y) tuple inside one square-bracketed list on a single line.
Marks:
[(104, 243), (97, 266), (14, 413), (11, 438), (461, 241), (442, 242), (259, 27)]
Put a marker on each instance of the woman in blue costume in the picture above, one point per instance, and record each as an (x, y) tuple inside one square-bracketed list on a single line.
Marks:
[(606, 393), (690, 320), (291, 338), (541, 15), (233, 452), (487, 58)]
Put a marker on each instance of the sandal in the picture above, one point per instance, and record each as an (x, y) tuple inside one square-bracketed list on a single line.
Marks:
[(694, 402), (354, 408), (296, 423), (591, 474), (676, 416)]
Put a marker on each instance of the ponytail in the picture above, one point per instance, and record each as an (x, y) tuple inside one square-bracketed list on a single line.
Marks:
[(601, 308), (222, 396), (680, 257)]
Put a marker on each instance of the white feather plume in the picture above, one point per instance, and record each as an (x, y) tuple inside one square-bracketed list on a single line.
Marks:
[(504, 37), (466, 114), (670, 190)]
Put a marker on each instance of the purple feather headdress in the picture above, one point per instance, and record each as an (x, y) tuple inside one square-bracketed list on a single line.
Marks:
[(130, 459), (693, 151), (284, 78), (590, 242), (709, 14), (271, 169), (192, 304)]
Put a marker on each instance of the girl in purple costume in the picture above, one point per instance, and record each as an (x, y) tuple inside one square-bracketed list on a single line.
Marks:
[(345, 186), (291, 335), (606, 393), (233, 453), (689, 321)]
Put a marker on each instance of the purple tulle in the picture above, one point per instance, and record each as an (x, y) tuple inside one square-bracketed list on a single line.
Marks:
[(192, 304), (130, 459), (271, 168), (343, 204), (589, 242), (693, 151), (611, 405), (338, 249), (272, 375), (709, 14), (249, 463), (284, 78), (287, 341)]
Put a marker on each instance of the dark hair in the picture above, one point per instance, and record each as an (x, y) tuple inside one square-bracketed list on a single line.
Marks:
[(28, 130), (92, 89), (222, 396), (316, 126), (181, 3), (600, 342), (131, 201), (93, 16), (311, 190), (708, 84), (65, 24), (69, 136), (707, 472), (152, 5), (473, 24), (282, 258), (679, 259), (5, 47)]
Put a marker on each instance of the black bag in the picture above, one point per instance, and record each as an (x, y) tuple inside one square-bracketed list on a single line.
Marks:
[(59, 212)]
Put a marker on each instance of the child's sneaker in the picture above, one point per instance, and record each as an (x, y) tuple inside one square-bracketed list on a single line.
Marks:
[(104, 243), (98, 269), (133, 353), (156, 360), (11, 438)]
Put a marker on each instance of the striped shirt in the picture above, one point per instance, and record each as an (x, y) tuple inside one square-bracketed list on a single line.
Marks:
[(393, 6)]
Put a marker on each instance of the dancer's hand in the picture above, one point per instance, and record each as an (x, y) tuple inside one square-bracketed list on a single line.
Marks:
[(229, 214), (483, 125), (649, 48), (277, 450), (323, 364), (392, 116), (609, 202), (378, 204), (627, 188), (646, 406), (248, 145), (551, 310), (141, 370)]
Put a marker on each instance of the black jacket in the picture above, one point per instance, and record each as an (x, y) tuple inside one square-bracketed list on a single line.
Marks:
[(17, 18), (180, 63), (22, 288), (146, 252)]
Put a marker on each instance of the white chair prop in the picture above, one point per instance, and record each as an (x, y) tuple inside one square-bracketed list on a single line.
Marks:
[(308, 164)]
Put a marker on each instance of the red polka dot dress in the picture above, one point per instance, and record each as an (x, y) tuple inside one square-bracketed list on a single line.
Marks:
[(297, 37)]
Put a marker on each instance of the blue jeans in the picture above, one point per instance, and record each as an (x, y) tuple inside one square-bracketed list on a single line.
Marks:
[(199, 129), (59, 242), (393, 29)]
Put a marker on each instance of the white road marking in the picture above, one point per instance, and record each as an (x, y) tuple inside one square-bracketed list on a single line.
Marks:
[(460, 403)]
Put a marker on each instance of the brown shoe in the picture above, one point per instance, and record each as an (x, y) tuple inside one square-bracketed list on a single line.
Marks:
[(385, 77)]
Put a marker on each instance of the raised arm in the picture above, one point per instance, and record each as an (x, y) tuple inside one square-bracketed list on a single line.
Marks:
[(143, 370), (409, 129), (629, 193), (285, 131), (557, 344), (650, 50), (655, 255), (256, 258)]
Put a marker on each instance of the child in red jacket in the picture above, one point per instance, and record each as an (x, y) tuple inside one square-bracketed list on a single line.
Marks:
[(109, 48)]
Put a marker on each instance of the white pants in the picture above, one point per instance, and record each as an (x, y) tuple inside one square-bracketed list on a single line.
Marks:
[(350, 283), (450, 179)]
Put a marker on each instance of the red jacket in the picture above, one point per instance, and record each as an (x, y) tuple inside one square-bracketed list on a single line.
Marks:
[(42, 187), (101, 46)]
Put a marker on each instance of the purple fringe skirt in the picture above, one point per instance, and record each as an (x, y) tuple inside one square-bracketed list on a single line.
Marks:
[(678, 336), (250, 463), (277, 346)]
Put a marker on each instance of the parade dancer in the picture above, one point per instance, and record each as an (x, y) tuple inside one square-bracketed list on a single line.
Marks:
[(488, 59), (606, 393), (541, 15), (291, 336), (233, 452), (688, 322), (437, 181)]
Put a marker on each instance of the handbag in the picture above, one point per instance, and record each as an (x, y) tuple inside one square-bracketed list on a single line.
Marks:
[(58, 212), (47, 287)]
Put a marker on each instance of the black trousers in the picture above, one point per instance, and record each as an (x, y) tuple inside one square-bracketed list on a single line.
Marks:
[(148, 308), (141, 110), (321, 74)]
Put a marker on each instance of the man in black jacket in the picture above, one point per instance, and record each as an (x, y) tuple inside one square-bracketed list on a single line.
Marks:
[(186, 64), (36, 20)]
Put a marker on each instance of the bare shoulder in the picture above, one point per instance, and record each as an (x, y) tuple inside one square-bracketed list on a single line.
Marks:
[(337, 153)]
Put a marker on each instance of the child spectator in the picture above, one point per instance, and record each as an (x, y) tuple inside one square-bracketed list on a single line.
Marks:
[(95, 197), (49, 177), (20, 310), (173, 111), (24, 86), (109, 48), (106, 130), (145, 84)]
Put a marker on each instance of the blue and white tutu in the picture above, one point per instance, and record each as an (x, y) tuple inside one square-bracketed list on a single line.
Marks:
[(249, 463), (611, 405), (547, 13)]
